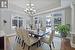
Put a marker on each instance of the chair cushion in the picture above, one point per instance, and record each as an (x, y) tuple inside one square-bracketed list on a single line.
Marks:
[(31, 41), (46, 40)]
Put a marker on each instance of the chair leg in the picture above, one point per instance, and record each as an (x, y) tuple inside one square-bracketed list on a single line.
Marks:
[(53, 44), (28, 47), (50, 47), (39, 43), (23, 45)]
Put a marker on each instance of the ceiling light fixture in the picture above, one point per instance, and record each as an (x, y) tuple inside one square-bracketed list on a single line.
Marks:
[(30, 9)]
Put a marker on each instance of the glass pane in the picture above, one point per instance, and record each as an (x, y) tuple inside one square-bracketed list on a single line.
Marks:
[(57, 21), (20, 23), (14, 22)]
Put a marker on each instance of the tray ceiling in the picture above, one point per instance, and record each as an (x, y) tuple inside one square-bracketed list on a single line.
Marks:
[(40, 5)]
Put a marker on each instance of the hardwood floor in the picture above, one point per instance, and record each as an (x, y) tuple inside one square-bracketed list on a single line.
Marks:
[(73, 49), (65, 45), (38, 49)]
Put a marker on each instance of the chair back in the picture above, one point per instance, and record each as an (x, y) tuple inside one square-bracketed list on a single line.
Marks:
[(51, 36), (26, 36), (18, 32)]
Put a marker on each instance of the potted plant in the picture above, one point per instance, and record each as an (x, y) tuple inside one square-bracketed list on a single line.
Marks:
[(63, 29)]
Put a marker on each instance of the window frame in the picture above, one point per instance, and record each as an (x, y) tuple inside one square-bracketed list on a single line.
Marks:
[(18, 18)]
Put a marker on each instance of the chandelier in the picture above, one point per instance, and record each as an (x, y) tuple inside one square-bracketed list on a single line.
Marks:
[(30, 9)]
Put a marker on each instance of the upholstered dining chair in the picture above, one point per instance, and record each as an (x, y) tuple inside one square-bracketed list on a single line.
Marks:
[(18, 37), (25, 38), (49, 39)]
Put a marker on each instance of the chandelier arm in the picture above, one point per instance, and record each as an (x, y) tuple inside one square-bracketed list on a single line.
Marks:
[(30, 3)]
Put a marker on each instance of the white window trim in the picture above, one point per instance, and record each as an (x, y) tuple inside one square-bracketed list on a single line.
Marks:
[(12, 18)]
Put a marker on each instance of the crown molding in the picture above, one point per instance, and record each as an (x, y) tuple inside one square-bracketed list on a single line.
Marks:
[(52, 10)]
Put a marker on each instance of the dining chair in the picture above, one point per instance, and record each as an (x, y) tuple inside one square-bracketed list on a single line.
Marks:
[(19, 36), (26, 39), (49, 39)]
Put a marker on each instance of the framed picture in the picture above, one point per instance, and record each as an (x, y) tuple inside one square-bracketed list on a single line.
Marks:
[(3, 3)]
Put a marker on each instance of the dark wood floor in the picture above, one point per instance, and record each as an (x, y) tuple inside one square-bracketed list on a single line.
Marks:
[(65, 45)]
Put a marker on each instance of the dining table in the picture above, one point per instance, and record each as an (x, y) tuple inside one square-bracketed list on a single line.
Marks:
[(37, 34)]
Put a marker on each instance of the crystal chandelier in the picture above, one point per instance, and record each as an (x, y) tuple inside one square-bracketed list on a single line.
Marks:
[(30, 9)]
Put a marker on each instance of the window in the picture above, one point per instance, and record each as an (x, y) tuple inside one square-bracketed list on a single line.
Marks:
[(57, 21), (17, 22), (48, 23)]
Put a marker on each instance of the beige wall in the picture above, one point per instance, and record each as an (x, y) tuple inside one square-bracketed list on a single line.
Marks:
[(65, 3), (7, 13), (68, 15)]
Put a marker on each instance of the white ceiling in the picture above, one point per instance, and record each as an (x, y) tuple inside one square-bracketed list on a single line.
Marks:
[(40, 5)]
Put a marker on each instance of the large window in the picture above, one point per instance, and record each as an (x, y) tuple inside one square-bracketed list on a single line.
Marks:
[(48, 24), (57, 21), (17, 22), (54, 20)]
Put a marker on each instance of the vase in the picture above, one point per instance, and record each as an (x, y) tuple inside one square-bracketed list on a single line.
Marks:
[(63, 34)]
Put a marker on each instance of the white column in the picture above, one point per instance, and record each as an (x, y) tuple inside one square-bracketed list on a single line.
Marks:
[(73, 19), (73, 26)]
